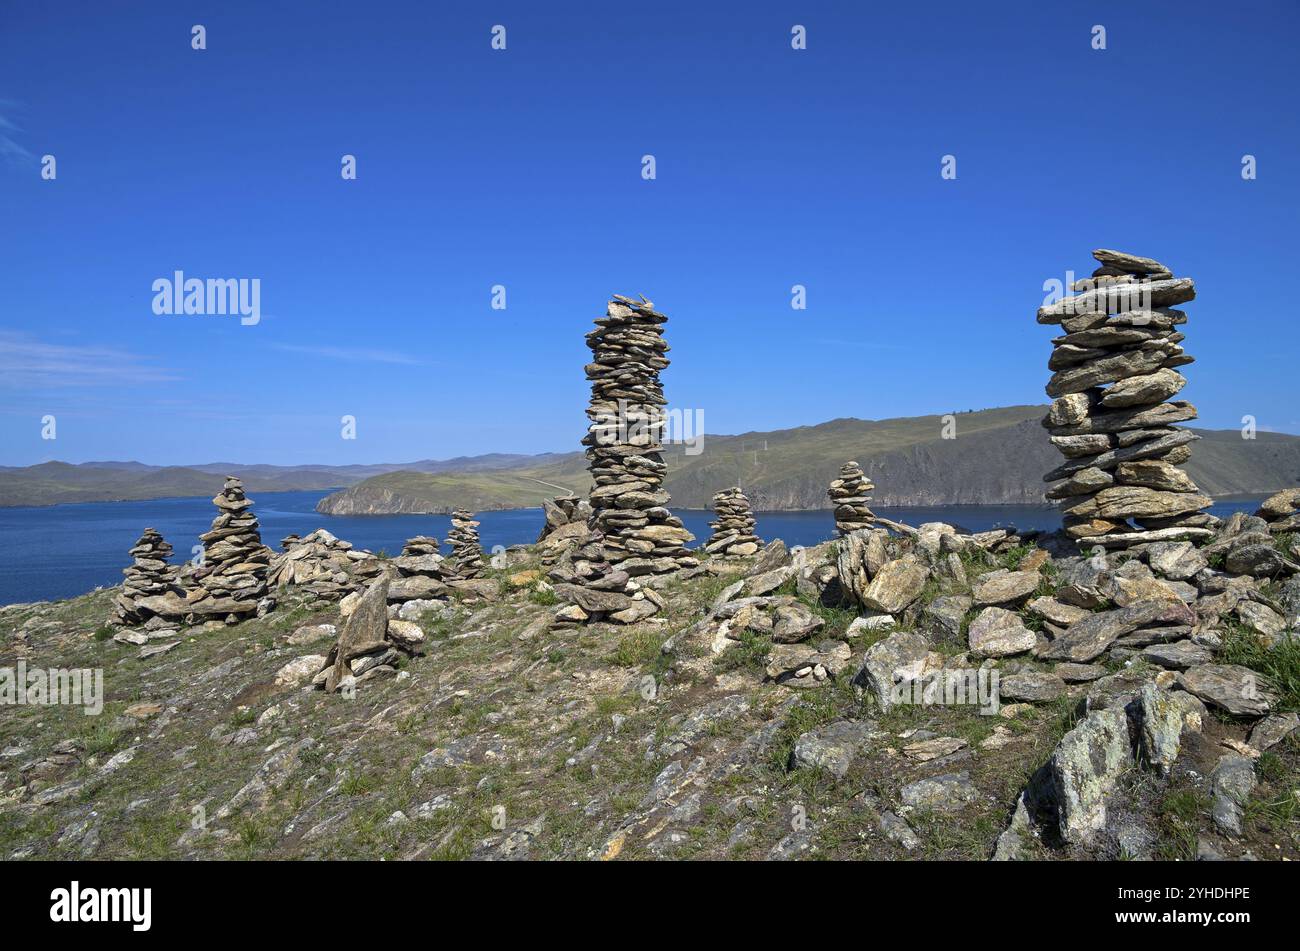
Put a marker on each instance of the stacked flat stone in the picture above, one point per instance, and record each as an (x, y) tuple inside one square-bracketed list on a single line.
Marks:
[(562, 512), (370, 644), (422, 572), (849, 495), (1114, 375), (1282, 511), (147, 576), (422, 546), (627, 422), (733, 529), (466, 559), (567, 526), (233, 575), (322, 564)]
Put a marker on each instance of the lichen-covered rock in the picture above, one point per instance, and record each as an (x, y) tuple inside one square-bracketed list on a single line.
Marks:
[(899, 658), (1085, 768)]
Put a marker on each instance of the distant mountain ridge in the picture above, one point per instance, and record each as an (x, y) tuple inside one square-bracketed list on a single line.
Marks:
[(998, 457), (52, 483)]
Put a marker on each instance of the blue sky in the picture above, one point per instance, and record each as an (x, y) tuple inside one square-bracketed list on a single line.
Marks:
[(522, 167)]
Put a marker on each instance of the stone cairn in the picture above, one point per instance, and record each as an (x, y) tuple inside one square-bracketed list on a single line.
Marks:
[(232, 577), (321, 564), (624, 453), (466, 559), (1113, 375), (148, 575), (371, 644), (733, 529), (422, 573), (632, 532), (567, 526), (1281, 511), (849, 497)]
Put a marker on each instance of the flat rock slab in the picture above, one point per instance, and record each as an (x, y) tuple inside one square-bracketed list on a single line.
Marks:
[(1080, 673), (1004, 587), (1058, 612), (1179, 655), (833, 747), (1032, 687), (1090, 637), (925, 750), (997, 632), (1272, 730), (948, 793), (1238, 690)]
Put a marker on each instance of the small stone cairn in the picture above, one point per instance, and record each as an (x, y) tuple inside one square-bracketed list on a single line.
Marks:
[(466, 559), (1281, 511), (422, 572), (326, 566), (148, 575), (733, 529), (233, 576), (370, 645), (1114, 373), (849, 497), (567, 526)]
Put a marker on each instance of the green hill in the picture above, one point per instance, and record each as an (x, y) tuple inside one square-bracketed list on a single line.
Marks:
[(998, 457)]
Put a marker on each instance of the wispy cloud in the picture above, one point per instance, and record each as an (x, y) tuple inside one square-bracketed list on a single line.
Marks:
[(26, 362), (10, 149), (350, 354)]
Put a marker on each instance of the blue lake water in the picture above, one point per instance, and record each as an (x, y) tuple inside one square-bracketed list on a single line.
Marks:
[(60, 551)]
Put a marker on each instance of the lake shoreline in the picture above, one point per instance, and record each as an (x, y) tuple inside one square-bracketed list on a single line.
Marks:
[(65, 550)]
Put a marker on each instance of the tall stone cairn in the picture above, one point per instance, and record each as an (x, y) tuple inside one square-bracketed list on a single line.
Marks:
[(733, 529), (233, 575), (466, 559), (849, 497), (638, 533), (148, 575), (1114, 373)]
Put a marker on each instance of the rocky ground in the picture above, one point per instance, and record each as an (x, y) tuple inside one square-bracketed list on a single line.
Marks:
[(1147, 711)]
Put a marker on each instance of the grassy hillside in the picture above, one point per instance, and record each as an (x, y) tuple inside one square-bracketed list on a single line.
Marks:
[(998, 457), (55, 482)]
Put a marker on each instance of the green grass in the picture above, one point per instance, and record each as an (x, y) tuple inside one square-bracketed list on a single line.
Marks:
[(1280, 664), (1179, 815), (750, 652), (639, 648)]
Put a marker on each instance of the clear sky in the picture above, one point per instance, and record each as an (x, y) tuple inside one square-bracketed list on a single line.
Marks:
[(523, 167)]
